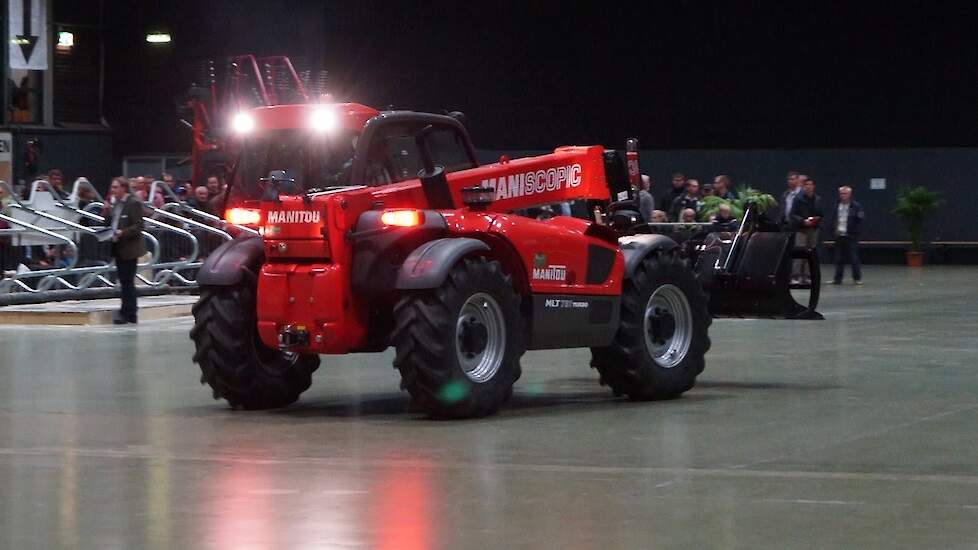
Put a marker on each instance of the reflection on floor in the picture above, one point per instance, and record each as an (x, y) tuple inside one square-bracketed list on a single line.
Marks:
[(857, 431)]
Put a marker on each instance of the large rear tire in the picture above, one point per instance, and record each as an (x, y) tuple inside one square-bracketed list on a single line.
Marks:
[(459, 345), (660, 345), (234, 361)]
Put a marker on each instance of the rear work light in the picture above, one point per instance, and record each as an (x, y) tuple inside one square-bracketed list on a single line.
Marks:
[(402, 218), (323, 120), (243, 216), (242, 123)]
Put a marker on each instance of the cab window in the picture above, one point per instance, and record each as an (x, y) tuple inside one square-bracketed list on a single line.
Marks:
[(448, 149), (394, 155)]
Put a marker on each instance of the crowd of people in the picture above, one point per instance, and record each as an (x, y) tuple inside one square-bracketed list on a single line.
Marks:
[(800, 211), (208, 198), (682, 201)]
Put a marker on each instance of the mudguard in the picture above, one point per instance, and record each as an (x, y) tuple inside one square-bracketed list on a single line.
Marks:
[(229, 262), (428, 265), (637, 247)]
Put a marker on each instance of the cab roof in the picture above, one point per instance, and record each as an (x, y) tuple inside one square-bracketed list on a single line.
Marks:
[(350, 116)]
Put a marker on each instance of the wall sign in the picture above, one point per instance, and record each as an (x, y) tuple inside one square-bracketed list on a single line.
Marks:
[(28, 33), (6, 157)]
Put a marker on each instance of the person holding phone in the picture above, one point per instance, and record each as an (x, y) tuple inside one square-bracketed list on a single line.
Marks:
[(806, 216)]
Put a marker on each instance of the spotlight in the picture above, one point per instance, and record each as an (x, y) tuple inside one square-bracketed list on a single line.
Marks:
[(158, 37), (243, 123), (323, 120)]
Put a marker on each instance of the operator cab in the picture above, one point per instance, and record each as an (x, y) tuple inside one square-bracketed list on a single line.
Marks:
[(393, 150), (324, 147), (313, 144)]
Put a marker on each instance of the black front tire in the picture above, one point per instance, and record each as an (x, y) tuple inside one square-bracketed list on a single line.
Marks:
[(427, 342), (234, 361), (628, 365)]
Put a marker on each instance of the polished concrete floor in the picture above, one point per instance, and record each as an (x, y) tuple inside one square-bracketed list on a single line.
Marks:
[(860, 431)]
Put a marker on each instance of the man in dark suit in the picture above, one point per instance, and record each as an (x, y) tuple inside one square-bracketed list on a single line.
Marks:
[(690, 200), (805, 217), (846, 224), (788, 198), (676, 190), (721, 187), (126, 218)]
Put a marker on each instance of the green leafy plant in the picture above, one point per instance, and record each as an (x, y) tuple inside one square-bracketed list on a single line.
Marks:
[(711, 205), (914, 205)]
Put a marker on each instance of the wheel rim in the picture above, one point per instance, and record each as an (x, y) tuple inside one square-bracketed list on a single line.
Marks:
[(668, 326), (480, 337)]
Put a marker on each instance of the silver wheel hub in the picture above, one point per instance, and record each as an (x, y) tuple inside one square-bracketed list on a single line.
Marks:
[(480, 337), (668, 326)]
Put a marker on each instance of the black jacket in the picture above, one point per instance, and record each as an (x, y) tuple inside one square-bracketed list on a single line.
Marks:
[(130, 245), (805, 207), (855, 220), (670, 197), (682, 203)]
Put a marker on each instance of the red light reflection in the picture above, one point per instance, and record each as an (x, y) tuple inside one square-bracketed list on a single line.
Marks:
[(402, 513)]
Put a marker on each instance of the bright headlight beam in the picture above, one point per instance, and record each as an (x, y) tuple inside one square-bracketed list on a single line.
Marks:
[(323, 120), (243, 123)]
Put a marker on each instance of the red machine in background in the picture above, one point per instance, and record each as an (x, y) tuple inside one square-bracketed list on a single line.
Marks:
[(245, 82)]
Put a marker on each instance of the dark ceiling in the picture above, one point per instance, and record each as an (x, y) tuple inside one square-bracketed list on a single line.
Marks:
[(537, 74)]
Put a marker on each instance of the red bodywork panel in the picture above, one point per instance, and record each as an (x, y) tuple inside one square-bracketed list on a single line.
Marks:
[(306, 281), (569, 173)]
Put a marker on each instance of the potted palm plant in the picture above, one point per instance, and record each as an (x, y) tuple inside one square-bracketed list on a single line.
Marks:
[(914, 205)]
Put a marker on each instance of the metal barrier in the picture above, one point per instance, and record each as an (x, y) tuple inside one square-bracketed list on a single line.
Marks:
[(64, 227)]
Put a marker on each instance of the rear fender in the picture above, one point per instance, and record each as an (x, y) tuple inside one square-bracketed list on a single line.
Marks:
[(379, 251), (428, 265), (232, 262), (636, 247)]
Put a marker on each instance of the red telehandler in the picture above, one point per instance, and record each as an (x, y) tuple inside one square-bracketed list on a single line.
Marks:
[(381, 229)]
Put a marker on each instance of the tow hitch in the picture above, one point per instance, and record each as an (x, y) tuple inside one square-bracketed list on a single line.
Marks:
[(293, 336)]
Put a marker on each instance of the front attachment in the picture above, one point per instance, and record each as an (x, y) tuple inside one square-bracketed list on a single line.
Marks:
[(757, 281)]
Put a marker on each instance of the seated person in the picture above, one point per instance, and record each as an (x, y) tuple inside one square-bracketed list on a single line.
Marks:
[(658, 216), (724, 219), (683, 233)]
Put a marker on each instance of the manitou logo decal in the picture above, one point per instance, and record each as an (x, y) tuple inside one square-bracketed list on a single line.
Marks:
[(531, 183), (293, 216), (550, 273)]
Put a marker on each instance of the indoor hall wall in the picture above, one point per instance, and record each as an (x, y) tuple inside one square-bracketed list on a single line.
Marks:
[(951, 171)]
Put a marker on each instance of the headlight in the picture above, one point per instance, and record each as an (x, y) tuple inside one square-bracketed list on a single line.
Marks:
[(323, 120), (243, 123)]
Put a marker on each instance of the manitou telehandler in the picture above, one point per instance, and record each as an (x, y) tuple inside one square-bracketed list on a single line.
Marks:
[(381, 229)]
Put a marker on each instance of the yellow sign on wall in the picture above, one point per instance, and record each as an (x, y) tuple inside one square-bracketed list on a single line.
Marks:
[(6, 157)]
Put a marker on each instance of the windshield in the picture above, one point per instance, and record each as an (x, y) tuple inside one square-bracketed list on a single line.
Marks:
[(313, 161)]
